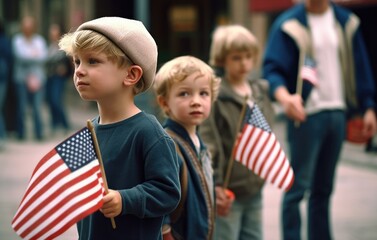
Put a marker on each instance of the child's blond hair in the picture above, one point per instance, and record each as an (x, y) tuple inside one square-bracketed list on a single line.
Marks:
[(88, 40), (179, 69), (231, 38)]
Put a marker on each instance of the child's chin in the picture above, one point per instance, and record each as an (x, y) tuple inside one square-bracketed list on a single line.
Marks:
[(86, 98)]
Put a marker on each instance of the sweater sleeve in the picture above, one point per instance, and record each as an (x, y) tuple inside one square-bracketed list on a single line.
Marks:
[(364, 76), (280, 62), (159, 194)]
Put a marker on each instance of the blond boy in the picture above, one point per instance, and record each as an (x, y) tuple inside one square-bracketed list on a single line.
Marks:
[(235, 51), (115, 59), (185, 88)]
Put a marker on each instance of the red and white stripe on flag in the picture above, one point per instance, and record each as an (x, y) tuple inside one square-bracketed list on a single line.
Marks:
[(260, 151), (309, 73), (60, 193)]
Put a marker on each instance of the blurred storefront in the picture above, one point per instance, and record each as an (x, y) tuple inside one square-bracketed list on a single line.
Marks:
[(179, 27)]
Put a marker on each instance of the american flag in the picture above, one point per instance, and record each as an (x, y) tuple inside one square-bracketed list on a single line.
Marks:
[(65, 187), (258, 149), (309, 71)]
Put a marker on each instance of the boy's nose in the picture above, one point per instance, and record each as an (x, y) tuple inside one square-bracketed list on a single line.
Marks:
[(79, 71), (195, 99)]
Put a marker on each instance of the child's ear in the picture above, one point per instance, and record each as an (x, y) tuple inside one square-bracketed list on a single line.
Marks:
[(162, 101), (134, 74)]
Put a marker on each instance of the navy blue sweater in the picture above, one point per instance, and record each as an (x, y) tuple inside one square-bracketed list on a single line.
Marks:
[(140, 162)]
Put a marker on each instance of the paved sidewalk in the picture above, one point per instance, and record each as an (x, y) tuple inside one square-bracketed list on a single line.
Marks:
[(354, 210)]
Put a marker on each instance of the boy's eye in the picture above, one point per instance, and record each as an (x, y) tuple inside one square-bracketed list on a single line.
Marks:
[(236, 57), (92, 61), (204, 93), (76, 62), (183, 94)]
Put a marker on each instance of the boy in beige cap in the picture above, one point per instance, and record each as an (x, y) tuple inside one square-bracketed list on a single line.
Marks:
[(115, 59)]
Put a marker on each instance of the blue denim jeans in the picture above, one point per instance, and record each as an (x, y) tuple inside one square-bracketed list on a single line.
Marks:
[(314, 147), (244, 221), (24, 98), (55, 90)]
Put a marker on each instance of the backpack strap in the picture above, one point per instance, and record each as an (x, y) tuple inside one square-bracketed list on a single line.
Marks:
[(191, 155), (174, 216)]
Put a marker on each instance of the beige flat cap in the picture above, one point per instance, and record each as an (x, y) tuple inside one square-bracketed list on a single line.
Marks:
[(132, 38)]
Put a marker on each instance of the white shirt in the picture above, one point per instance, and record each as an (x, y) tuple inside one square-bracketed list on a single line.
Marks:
[(329, 92)]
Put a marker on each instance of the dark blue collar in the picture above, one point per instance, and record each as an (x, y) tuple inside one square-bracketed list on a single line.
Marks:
[(181, 131)]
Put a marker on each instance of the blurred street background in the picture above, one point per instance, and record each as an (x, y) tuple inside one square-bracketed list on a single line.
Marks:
[(181, 27)]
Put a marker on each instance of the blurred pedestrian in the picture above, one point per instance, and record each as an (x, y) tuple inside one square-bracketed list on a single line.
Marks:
[(58, 71), (5, 64), (324, 40), (30, 53), (234, 50)]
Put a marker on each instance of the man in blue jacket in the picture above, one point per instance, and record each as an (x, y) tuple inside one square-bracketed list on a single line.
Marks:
[(318, 70)]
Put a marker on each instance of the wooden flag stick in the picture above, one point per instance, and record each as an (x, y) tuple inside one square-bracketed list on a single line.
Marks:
[(230, 161), (300, 82), (96, 147)]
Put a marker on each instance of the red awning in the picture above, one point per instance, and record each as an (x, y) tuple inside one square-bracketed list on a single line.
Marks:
[(356, 2), (279, 5)]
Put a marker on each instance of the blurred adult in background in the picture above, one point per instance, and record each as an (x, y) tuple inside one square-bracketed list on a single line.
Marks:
[(30, 53), (5, 64), (58, 71), (321, 36)]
